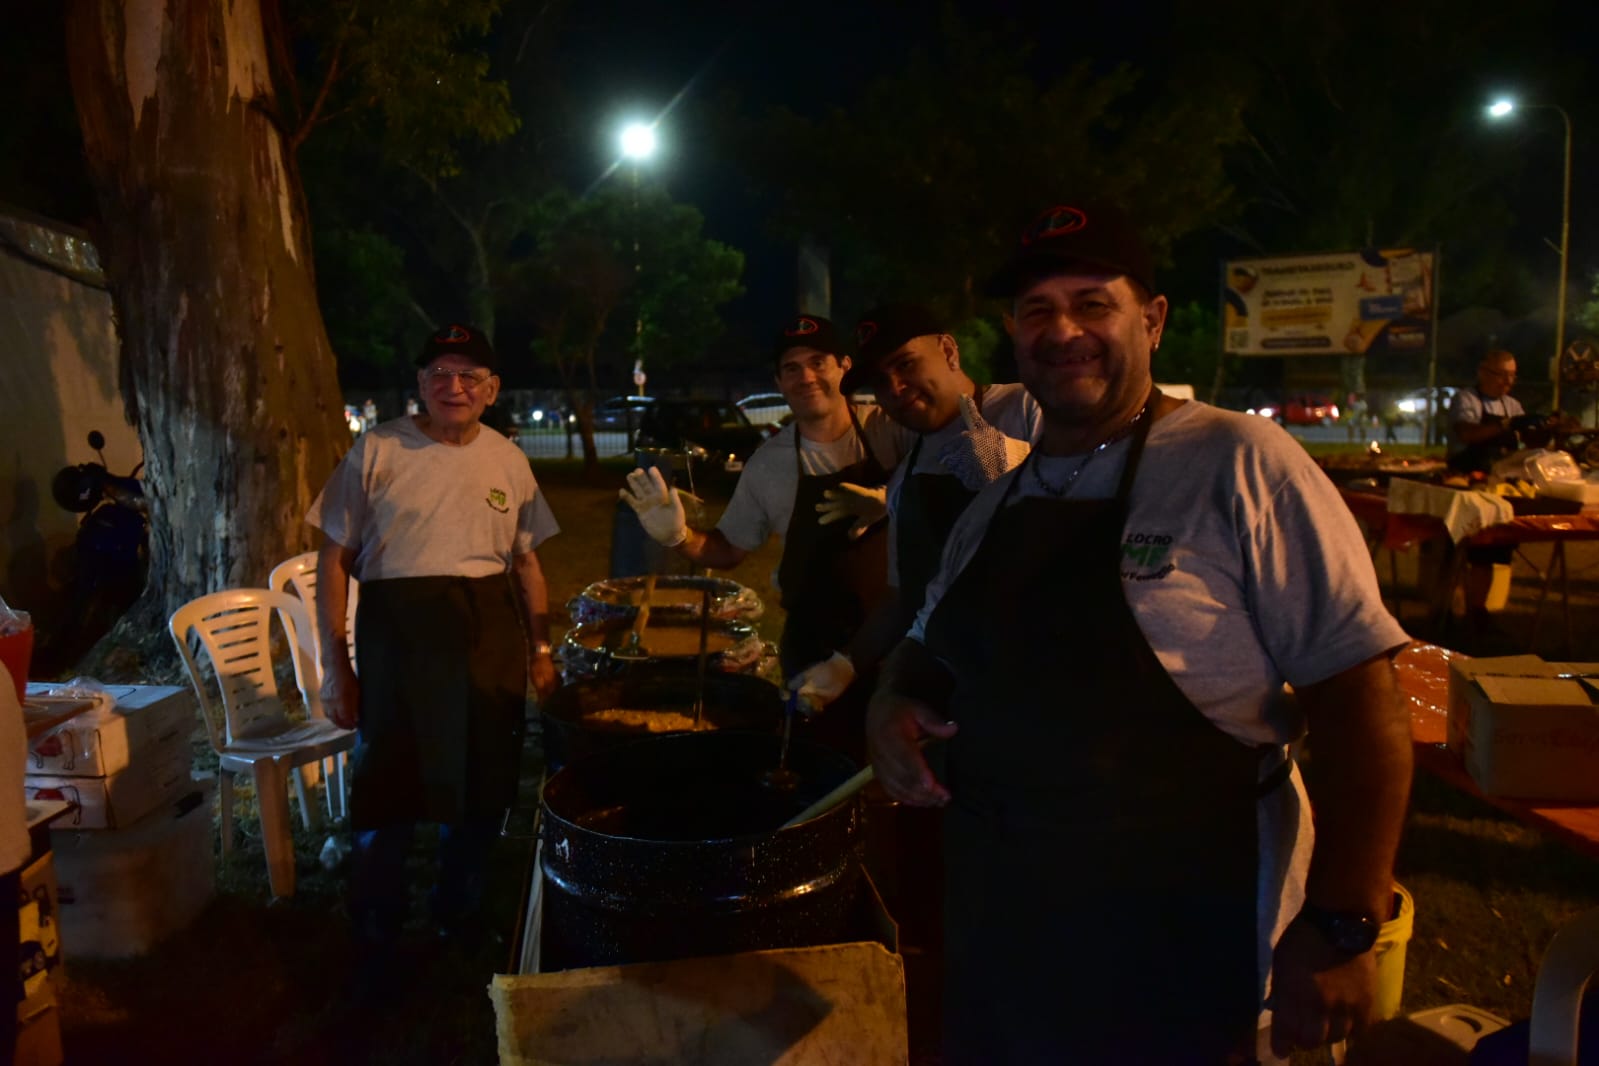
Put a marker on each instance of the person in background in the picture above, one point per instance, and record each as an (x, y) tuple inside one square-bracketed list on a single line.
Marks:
[(438, 517), (1104, 652), (830, 577), (1480, 415), (966, 436), (14, 852)]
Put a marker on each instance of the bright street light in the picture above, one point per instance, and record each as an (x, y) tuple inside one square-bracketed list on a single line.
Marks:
[(638, 141), (1502, 109)]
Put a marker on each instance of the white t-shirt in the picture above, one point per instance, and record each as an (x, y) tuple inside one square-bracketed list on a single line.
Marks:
[(763, 499), (1009, 408), (412, 507)]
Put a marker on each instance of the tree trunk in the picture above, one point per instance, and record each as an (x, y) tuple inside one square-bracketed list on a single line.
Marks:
[(226, 366)]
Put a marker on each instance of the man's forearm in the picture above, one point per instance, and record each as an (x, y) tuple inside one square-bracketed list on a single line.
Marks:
[(1361, 764), (711, 549), (533, 598), (333, 562)]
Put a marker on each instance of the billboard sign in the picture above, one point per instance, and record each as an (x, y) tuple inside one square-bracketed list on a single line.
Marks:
[(1374, 302)]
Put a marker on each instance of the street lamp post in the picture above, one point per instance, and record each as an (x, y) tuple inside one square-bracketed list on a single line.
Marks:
[(638, 144), (1501, 109)]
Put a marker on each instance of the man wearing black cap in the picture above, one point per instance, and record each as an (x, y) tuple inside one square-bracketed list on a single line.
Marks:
[(966, 437), (829, 579), (438, 518), (1105, 649)]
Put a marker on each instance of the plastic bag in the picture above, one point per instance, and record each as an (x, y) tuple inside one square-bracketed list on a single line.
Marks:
[(79, 688), (1541, 466)]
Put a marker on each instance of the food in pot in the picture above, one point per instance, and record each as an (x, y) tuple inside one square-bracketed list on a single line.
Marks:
[(631, 721)]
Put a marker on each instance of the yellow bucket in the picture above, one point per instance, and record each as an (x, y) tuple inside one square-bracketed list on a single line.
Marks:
[(1392, 936)]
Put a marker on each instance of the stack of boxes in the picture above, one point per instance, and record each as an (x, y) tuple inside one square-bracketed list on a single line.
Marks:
[(1526, 728), (134, 861)]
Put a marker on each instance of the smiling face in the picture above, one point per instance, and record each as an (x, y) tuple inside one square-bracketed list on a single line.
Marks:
[(811, 381), (456, 391), (920, 383), (1083, 347)]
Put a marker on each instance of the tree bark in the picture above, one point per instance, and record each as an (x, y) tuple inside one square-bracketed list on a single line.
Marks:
[(226, 367)]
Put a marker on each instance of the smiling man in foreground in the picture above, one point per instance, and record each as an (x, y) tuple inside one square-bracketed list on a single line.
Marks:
[(1105, 649)]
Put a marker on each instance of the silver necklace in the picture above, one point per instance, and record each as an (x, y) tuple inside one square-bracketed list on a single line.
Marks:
[(1065, 487)]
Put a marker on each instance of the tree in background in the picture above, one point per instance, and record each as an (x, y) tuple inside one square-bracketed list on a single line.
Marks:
[(923, 186), (583, 298), (191, 119)]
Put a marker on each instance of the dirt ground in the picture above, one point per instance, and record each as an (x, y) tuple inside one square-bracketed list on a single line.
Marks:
[(256, 982)]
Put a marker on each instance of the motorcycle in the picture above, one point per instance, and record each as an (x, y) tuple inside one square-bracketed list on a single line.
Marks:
[(112, 545)]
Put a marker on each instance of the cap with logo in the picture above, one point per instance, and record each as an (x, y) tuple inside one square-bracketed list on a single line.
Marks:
[(1092, 237), (457, 339), (887, 328), (808, 331)]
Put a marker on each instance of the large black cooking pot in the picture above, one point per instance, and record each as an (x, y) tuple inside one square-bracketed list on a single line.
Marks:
[(732, 701), (671, 848)]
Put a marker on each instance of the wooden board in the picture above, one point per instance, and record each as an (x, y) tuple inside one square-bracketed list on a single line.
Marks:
[(840, 1004), (44, 713)]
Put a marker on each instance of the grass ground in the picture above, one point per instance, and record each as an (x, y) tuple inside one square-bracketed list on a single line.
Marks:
[(256, 982)]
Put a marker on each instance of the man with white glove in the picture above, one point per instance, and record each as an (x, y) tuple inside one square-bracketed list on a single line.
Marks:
[(825, 466), (967, 437)]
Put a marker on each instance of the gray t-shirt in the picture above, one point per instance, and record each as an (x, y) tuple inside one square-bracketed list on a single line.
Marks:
[(412, 507), (1241, 563), (1469, 406), (1009, 408), (763, 499)]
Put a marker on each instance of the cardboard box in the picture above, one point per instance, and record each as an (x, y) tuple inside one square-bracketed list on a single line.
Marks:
[(1527, 728), (104, 740), (156, 777), (123, 891), (39, 1030), (39, 926), (829, 1003)]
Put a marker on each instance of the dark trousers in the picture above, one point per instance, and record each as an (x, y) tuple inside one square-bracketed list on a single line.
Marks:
[(378, 882)]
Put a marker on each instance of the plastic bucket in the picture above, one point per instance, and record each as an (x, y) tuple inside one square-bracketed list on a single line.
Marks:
[(1392, 936)]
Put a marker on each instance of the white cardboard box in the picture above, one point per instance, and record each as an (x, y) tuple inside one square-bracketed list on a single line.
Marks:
[(104, 740), (1527, 728), (125, 890), (157, 776)]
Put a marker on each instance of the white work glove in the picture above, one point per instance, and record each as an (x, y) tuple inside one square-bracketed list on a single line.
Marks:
[(821, 683), (866, 506), (659, 510), (981, 454)]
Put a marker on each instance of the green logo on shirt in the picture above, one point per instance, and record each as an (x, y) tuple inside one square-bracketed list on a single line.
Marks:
[(496, 500), (1145, 557)]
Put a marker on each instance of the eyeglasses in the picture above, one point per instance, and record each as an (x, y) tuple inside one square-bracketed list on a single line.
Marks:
[(442, 376)]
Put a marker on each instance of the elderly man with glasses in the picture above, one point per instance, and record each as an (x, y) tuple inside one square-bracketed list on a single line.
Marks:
[(439, 518)]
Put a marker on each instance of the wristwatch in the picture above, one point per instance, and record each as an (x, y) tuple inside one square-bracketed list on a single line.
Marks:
[(1348, 931)]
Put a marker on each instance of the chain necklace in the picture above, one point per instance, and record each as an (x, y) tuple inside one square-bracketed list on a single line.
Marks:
[(1059, 491)]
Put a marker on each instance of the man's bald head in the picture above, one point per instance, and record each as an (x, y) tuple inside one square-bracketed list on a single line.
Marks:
[(1496, 374)]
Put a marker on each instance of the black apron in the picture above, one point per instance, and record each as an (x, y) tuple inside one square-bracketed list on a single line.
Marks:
[(829, 582), (929, 505), (1100, 843), (443, 668), (1481, 457)]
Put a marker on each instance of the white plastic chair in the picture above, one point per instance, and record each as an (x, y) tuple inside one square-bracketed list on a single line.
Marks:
[(297, 574), (254, 733), (1567, 966)]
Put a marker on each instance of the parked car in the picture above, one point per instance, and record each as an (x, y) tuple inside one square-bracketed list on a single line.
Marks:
[(621, 413), (1412, 406), (717, 433), (765, 408), (1310, 411)]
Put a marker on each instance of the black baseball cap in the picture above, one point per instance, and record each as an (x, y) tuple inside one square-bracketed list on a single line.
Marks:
[(884, 330), (808, 331), (1067, 236), (457, 339)]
